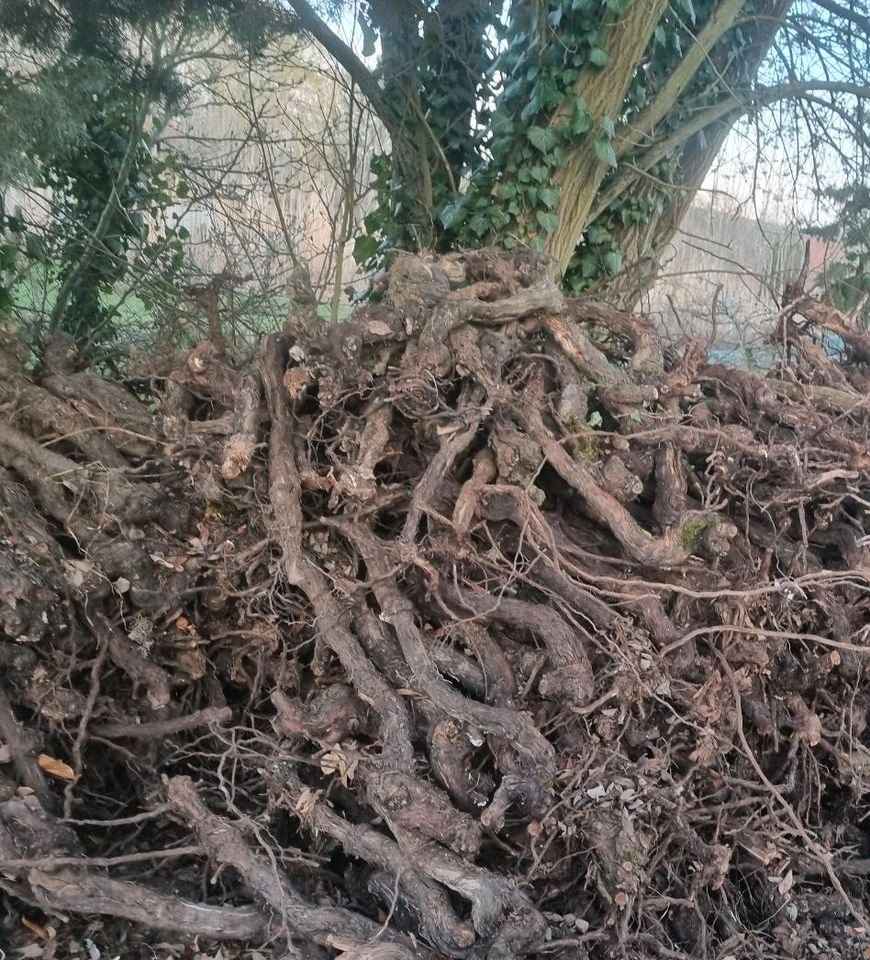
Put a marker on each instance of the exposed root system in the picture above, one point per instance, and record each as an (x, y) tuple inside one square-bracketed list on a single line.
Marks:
[(482, 625)]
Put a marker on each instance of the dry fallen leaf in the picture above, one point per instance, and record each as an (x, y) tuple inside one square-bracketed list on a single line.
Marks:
[(295, 381), (56, 768), (620, 898), (306, 802), (182, 623), (336, 761)]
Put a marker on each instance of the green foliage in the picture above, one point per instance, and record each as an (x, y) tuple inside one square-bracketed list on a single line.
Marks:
[(76, 124), (43, 114), (110, 196), (112, 193), (527, 140), (848, 279), (100, 29), (605, 152)]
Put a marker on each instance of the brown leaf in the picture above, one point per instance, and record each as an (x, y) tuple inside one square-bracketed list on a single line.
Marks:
[(620, 898), (182, 623), (337, 761), (306, 802), (56, 768), (295, 381)]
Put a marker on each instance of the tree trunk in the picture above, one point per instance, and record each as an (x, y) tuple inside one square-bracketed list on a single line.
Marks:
[(604, 92), (642, 243)]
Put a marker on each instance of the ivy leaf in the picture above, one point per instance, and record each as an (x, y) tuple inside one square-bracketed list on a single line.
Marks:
[(549, 196), (512, 89), (543, 138), (451, 214), (499, 218), (501, 125), (581, 122), (599, 57), (539, 172), (364, 248), (595, 419), (547, 219), (689, 7), (613, 261), (605, 152), (478, 224), (588, 266), (608, 126), (556, 17), (533, 106), (551, 92), (35, 247)]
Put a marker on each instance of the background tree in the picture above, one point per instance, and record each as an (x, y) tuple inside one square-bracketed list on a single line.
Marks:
[(88, 89), (848, 278)]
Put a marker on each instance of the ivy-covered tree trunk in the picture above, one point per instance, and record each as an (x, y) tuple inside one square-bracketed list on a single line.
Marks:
[(587, 162), (583, 128)]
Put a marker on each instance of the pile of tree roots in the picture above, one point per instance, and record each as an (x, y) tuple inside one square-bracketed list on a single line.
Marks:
[(485, 624)]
